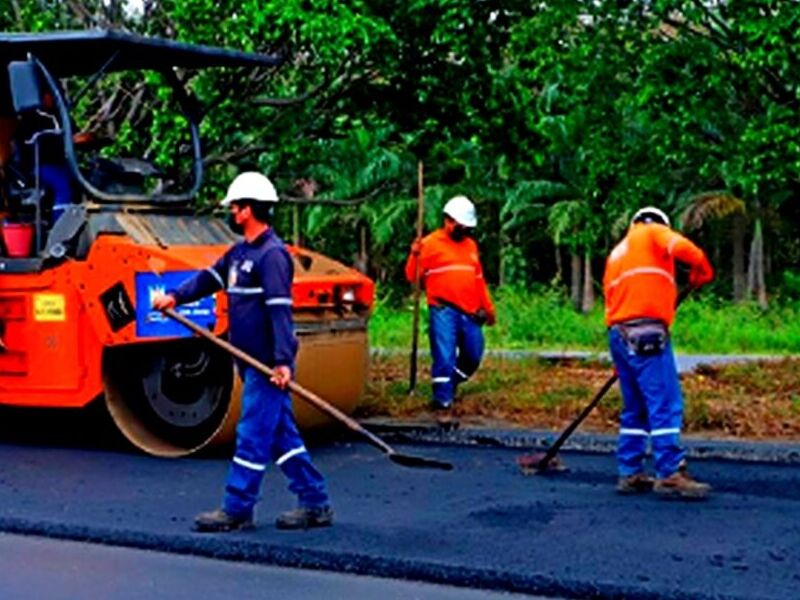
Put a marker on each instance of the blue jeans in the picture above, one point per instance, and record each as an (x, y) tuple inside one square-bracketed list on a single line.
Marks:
[(267, 432), (652, 408), (456, 347)]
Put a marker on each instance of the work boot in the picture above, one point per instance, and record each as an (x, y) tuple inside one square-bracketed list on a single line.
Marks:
[(639, 483), (681, 485), (305, 518), (218, 521)]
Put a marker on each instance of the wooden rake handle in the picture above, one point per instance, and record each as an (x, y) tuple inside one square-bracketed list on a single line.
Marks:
[(295, 387)]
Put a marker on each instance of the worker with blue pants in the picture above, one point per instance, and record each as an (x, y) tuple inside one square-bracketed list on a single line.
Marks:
[(257, 275)]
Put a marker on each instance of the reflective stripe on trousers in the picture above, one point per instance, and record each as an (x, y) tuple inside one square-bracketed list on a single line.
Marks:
[(652, 408), (267, 433), (456, 348)]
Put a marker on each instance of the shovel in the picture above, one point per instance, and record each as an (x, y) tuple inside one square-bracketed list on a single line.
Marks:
[(406, 460)]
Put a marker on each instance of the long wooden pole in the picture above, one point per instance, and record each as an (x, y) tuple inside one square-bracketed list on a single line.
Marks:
[(406, 460), (412, 374)]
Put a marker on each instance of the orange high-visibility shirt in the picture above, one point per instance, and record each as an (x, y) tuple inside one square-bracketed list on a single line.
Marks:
[(451, 271), (639, 280)]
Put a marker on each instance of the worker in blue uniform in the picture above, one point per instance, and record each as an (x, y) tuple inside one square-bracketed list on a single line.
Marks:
[(257, 275)]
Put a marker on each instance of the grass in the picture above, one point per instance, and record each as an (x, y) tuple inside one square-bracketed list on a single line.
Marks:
[(545, 321), (758, 400)]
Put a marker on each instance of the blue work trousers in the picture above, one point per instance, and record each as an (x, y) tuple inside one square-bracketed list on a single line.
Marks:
[(456, 347), (266, 433), (652, 408)]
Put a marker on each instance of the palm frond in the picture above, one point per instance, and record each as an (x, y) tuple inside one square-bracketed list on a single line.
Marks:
[(710, 205)]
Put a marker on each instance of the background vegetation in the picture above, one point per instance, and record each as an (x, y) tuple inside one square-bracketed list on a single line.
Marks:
[(559, 119), (543, 320), (747, 400)]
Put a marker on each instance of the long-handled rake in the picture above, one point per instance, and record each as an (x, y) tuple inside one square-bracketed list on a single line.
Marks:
[(406, 460), (544, 462)]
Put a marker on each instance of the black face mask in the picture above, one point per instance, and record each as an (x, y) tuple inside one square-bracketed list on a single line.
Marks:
[(459, 233), (233, 225)]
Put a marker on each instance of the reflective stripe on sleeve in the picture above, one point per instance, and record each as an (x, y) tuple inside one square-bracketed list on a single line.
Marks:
[(249, 465), (672, 242), (217, 277), (289, 455)]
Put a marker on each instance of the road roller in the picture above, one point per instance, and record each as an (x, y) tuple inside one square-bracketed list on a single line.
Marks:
[(76, 283)]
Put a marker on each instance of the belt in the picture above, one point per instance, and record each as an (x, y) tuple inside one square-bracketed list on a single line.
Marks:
[(477, 317), (637, 322)]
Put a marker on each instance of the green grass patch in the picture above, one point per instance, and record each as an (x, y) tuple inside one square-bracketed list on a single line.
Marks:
[(545, 320)]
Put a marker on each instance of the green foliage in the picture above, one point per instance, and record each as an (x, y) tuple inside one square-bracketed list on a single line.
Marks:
[(545, 320), (558, 118), (791, 284)]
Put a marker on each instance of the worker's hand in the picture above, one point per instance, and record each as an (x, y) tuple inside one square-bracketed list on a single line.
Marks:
[(164, 301), (416, 247), (699, 277), (281, 377), (483, 317)]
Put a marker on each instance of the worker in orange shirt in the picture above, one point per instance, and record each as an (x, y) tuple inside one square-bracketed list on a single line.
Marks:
[(458, 299), (640, 294)]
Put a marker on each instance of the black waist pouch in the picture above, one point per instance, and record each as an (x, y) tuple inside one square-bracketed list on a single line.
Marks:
[(645, 337)]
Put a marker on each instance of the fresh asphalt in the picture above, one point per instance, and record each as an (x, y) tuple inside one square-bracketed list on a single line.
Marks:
[(481, 526), (35, 568)]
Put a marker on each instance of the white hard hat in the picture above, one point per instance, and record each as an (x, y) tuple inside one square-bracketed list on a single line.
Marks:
[(462, 211), (651, 214), (250, 185)]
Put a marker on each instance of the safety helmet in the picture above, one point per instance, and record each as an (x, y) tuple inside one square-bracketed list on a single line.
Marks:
[(462, 211), (650, 214), (250, 185)]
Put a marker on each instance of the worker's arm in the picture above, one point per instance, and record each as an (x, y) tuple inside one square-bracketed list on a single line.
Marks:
[(205, 282), (414, 257), (486, 300), (684, 250), (277, 272)]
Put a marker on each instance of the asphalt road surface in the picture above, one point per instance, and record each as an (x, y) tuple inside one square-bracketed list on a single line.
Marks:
[(481, 526), (43, 568)]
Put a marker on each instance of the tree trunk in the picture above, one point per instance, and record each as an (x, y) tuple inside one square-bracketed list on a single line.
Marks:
[(362, 260), (739, 274), (587, 302), (756, 286), (575, 280), (501, 272), (17, 12), (296, 224), (559, 267)]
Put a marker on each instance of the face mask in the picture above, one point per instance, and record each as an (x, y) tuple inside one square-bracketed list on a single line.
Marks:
[(233, 225), (459, 233)]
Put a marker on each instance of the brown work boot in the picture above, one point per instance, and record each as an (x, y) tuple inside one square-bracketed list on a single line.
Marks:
[(639, 483), (305, 518), (218, 521), (681, 485)]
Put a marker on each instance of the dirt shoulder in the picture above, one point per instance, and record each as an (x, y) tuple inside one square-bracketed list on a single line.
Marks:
[(751, 400)]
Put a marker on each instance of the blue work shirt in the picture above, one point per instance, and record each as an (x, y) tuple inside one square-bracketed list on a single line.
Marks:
[(257, 276)]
